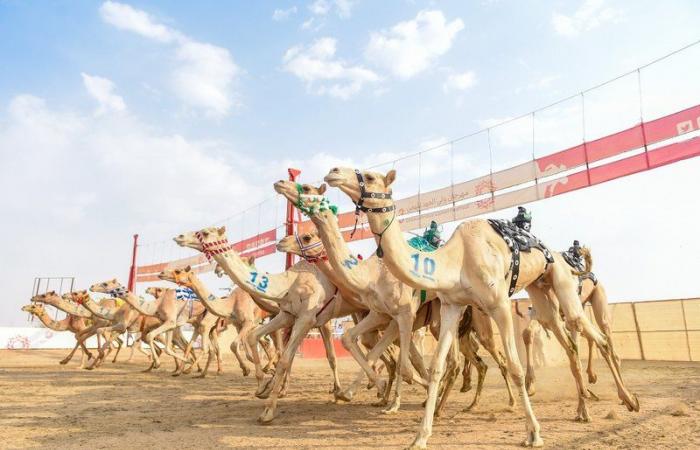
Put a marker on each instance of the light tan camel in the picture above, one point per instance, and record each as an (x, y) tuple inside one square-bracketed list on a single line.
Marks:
[(173, 313), (305, 296), (238, 307), (472, 268), (376, 287), (590, 291), (205, 325), (73, 310), (71, 323)]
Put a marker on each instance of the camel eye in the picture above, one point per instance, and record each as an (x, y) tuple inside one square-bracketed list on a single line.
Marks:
[(305, 189), (104, 284), (369, 178), (307, 238)]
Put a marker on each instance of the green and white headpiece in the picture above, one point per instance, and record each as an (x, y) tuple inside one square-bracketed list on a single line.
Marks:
[(311, 204)]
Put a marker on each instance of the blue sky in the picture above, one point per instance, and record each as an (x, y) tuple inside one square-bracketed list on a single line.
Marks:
[(159, 117)]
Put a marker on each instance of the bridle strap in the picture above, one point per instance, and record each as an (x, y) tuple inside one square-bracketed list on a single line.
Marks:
[(359, 206), (304, 249)]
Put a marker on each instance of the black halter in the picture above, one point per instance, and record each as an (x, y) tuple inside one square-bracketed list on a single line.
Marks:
[(359, 206)]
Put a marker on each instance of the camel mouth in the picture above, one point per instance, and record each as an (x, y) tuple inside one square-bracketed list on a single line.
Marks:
[(333, 179), (279, 187)]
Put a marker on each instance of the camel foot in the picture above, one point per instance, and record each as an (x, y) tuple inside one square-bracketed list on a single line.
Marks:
[(592, 378), (533, 440), (472, 405), (267, 416), (63, 362), (246, 371), (382, 386), (344, 396), (633, 405), (200, 375), (264, 390), (465, 388), (419, 444), (381, 402), (268, 369), (394, 408)]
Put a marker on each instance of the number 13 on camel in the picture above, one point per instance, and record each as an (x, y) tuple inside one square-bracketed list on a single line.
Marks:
[(474, 267)]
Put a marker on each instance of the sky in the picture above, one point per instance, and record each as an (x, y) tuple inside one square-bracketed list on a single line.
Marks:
[(162, 117)]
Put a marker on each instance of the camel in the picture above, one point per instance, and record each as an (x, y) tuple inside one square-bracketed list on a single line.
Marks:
[(305, 296), (473, 268), (171, 312), (590, 291), (204, 325), (238, 307), (74, 324), (385, 296)]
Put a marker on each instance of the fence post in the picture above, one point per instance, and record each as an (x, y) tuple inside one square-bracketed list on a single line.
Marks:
[(685, 325), (639, 334)]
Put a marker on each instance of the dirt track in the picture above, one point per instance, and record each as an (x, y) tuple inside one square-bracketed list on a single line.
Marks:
[(44, 405)]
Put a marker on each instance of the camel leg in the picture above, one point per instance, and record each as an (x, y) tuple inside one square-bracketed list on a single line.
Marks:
[(214, 340), (327, 335), (592, 377), (469, 347), (370, 322), (528, 339), (599, 303), (150, 337), (449, 318), (235, 348), (120, 344), (448, 379), (484, 335), (268, 348), (565, 289), (281, 320), (299, 330), (504, 320), (466, 376), (67, 359)]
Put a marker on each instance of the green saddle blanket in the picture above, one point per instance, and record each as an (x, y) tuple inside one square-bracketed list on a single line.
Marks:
[(422, 244)]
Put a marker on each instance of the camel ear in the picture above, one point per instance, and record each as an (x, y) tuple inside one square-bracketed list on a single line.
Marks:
[(322, 188), (251, 260), (114, 280), (84, 292), (188, 268), (51, 293), (222, 230), (389, 178)]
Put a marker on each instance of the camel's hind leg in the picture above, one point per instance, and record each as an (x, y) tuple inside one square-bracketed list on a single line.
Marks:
[(484, 335), (599, 303), (566, 291), (469, 347), (528, 340)]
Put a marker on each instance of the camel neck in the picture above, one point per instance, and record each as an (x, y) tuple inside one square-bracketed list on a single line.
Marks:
[(98, 310), (61, 325), (350, 270), (70, 308), (265, 285), (421, 270), (140, 304)]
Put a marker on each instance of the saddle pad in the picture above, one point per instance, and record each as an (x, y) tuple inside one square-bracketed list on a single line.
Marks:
[(420, 243), (513, 235), (574, 261)]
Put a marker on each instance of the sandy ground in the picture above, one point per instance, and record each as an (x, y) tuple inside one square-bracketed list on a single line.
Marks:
[(44, 405)]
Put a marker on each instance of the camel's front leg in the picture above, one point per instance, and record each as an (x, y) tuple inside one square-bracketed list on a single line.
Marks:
[(371, 322), (120, 344), (67, 359), (326, 331), (281, 320), (449, 318), (150, 338), (299, 330)]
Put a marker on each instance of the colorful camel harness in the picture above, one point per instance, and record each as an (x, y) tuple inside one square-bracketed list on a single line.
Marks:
[(519, 240), (577, 263), (213, 248)]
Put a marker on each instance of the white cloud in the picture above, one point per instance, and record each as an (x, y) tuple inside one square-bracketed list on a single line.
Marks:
[(102, 90), (591, 14), (411, 47), (205, 74), (344, 8), (125, 17), (323, 72), (280, 15), (320, 7), (459, 81)]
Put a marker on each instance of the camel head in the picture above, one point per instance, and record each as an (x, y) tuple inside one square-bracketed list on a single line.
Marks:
[(182, 277), (111, 287), (307, 245), (307, 198), (76, 296), (34, 308), (155, 291), (349, 181), (46, 298), (210, 241)]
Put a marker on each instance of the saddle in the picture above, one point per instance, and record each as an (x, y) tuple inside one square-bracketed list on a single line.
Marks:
[(579, 265), (518, 240)]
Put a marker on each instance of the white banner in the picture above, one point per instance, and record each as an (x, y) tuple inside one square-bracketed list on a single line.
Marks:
[(19, 338)]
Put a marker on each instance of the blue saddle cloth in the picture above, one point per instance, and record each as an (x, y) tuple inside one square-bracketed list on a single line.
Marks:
[(422, 244), (183, 293)]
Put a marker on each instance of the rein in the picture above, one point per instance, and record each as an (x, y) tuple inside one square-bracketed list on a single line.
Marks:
[(359, 206)]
